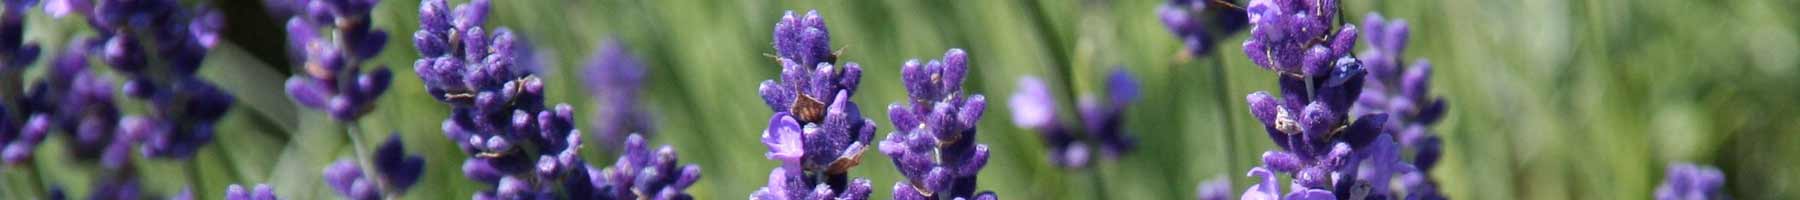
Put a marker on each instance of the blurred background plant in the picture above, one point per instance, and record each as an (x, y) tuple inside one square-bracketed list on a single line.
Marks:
[(1554, 99)]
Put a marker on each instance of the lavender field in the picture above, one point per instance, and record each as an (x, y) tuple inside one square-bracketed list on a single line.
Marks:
[(934, 99)]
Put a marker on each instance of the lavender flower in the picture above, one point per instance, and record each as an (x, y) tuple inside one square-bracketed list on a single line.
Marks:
[(1685, 181), (1103, 120), (639, 171), (1295, 37), (22, 126), (1215, 189), (934, 145), (1329, 155), (1410, 105), (333, 80), (262, 192), (497, 114), (183, 107), (523, 148), (1034, 108), (614, 78), (394, 171), (1196, 22), (19, 54), (817, 131)]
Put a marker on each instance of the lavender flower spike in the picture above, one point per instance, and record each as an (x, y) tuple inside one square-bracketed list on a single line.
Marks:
[(614, 79), (1686, 181), (934, 142), (1214, 189), (394, 173), (262, 192), (1402, 93), (334, 80), (183, 106), (1033, 107), (1329, 154), (1105, 120), (517, 145), (817, 131), (1198, 24)]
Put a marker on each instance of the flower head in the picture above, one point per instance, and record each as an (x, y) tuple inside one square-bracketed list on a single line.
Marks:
[(1296, 37), (1033, 107), (1214, 189), (261, 192), (1105, 119), (615, 79), (334, 80), (1102, 118), (817, 132), (804, 39), (394, 173), (1684, 181), (183, 106), (934, 142), (1196, 23)]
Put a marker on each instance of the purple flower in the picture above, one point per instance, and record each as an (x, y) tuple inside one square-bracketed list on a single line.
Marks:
[(1033, 107), (1296, 37), (803, 39), (394, 173), (1685, 181), (614, 79), (934, 142), (1103, 119), (23, 123), (19, 53), (817, 131), (334, 80), (1413, 111), (1195, 23), (1215, 189), (644, 174), (262, 192), (182, 106), (1329, 154), (521, 147)]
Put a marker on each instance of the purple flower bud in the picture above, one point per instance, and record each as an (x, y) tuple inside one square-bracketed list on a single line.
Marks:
[(262, 192), (1214, 189), (942, 116), (1689, 181)]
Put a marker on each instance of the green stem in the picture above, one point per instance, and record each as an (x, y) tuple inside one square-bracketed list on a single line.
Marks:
[(193, 170), (1099, 184), (37, 179), (1223, 95)]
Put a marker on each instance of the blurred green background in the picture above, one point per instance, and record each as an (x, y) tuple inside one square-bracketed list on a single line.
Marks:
[(1550, 99)]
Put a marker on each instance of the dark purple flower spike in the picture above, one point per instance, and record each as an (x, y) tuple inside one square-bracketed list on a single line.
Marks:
[(394, 173), (1403, 94), (1102, 119), (1199, 24), (182, 106), (934, 142), (261, 192), (333, 39), (1034, 107), (817, 132), (615, 79), (1328, 154), (1685, 181), (518, 145)]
